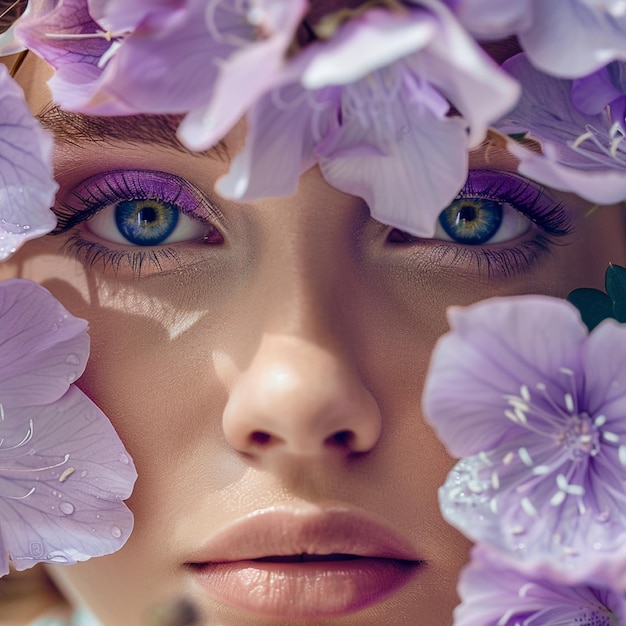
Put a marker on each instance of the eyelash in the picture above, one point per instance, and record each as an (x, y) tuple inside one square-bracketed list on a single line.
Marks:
[(100, 192), (97, 193), (549, 217)]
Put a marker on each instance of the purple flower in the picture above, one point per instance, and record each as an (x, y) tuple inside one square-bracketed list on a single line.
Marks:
[(257, 34), (494, 595), (86, 42), (379, 124), (27, 186), (538, 408), (63, 470), (171, 56), (580, 126), (568, 38)]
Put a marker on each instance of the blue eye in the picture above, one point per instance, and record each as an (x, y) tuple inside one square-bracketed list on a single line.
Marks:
[(140, 208), (499, 223), (472, 221), (156, 221), (146, 222), (497, 207)]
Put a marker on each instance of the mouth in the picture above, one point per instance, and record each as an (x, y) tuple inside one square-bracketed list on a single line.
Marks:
[(305, 563), (307, 558)]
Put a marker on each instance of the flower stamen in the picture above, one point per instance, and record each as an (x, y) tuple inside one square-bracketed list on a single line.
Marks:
[(528, 507), (525, 457), (101, 34), (30, 493), (610, 437)]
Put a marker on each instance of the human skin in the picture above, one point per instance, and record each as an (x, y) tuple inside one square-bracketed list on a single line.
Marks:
[(282, 368)]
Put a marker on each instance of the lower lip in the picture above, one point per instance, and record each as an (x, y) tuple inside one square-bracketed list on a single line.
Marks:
[(313, 589)]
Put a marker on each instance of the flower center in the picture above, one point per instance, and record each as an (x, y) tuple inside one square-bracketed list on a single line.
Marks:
[(600, 617), (580, 436)]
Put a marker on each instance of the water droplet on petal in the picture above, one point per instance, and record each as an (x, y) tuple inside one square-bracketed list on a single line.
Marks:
[(83, 473), (73, 359), (55, 327), (66, 508), (123, 458), (57, 557), (71, 377), (116, 532), (55, 493)]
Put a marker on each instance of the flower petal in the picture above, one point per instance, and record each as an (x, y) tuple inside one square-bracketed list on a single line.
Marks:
[(602, 187), (42, 347), (455, 64), (244, 77), (545, 108), (604, 360), (544, 484), (493, 349), (163, 69), (498, 499), (126, 15), (367, 43), (406, 161), (573, 38), (592, 94), (257, 69), (27, 186), (279, 146), (493, 594), (579, 153), (61, 490), (43, 31)]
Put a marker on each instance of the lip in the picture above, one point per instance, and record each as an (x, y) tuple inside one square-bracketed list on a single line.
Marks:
[(351, 560)]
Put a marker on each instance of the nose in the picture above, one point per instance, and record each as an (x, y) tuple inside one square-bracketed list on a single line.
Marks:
[(301, 399)]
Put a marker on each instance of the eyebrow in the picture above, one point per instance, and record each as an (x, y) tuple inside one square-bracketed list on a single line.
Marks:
[(78, 129)]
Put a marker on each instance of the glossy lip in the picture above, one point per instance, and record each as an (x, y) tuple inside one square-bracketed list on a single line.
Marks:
[(349, 561)]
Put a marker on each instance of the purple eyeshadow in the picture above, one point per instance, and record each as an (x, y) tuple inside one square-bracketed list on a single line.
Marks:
[(523, 195), (116, 186)]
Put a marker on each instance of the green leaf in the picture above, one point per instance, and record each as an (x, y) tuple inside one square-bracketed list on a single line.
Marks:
[(615, 281), (594, 305)]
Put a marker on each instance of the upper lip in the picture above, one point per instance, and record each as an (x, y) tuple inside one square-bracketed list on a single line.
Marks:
[(304, 530)]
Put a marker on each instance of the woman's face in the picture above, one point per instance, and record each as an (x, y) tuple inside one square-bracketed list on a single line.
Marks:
[(264, 364)]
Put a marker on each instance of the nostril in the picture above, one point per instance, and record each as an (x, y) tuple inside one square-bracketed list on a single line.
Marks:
[(260, 438), (341, 438)]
